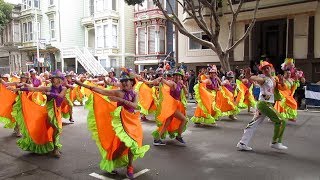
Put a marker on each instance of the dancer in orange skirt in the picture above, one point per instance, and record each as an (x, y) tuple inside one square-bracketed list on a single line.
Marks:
[(41, 126), (171, 110), (244, 97), (67, 104), (116, 127), (225, 97), (287, 105), (205, 93)]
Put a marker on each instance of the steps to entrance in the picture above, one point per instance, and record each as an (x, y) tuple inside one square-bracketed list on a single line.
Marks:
[(85, 58)]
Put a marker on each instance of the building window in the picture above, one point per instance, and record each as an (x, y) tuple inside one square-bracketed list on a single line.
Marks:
[(113, 63), (106, 5), (103, 63), (29, 4), (99, 5), (52, 29), (150, 4), (195, 45), (36, 3), (25, 32), (16, 35), (114, 5), (99, 37), (151, 39), (24, 2), (91, 7), (114, 36), (105, 35), (30, 32), (162, 39), (141, 41), (51, 2)]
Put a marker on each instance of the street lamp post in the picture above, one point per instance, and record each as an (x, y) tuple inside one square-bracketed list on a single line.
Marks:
[(37, 39)]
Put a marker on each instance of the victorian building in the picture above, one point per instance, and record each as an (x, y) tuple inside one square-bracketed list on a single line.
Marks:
[(155, 37), (11, 59)]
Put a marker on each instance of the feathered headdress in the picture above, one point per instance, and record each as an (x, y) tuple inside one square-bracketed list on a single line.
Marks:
[(288, 64), (126, 74)]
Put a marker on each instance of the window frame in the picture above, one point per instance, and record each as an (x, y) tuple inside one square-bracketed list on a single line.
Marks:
[(144, 40), (117, 35), (30, 31), (52, 29), (202, 47), (25, 32), (155, 39), (51, 2), (98, 43), (165, 40)]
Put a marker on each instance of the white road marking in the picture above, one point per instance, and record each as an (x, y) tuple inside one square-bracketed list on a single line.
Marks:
[(98, 176), (139, 173)]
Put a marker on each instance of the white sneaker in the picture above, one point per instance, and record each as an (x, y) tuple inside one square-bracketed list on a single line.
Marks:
[(278, 146), (243, 147)]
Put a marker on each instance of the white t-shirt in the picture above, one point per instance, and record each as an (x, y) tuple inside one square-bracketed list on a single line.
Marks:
[(267, 90)]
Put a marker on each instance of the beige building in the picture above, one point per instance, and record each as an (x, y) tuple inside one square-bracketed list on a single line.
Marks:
[(284, 28)]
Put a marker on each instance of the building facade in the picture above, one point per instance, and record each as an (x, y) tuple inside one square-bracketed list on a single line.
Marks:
[(155, 37), (283, 29), (109, 32), (51, 26), (11, 59)]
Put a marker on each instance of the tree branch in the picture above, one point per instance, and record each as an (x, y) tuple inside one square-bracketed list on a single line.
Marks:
[(248, 29), (175, 20)]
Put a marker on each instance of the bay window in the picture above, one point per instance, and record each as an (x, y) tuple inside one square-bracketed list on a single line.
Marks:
[(99, 37), (52, 29), (141, 41), (162, 39), (114, 36), (151, 39)]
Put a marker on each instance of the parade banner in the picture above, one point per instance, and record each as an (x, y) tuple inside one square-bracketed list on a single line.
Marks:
[(312, 95)]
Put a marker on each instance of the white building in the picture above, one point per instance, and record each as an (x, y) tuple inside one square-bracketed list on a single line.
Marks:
[(11, 59), (109, 32)]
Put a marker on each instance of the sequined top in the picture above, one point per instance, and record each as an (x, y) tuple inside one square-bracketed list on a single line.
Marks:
[(214, 84), (129, 96), (56, 90), (176, 92), (35, 82)]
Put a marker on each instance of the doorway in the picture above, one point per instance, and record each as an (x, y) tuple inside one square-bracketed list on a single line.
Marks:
[(269, 42)]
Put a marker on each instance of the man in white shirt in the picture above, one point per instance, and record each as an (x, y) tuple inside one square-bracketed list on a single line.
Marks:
[(265, 109)]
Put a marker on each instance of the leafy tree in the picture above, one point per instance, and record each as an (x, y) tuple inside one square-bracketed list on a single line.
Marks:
[(5, 13), (207, 15)]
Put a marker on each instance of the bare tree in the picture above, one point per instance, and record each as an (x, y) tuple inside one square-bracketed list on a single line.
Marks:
[(209, 23)]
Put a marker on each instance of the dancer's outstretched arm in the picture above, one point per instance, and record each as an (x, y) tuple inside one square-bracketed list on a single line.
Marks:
[(171, 84), (258, 79), (98, 90)]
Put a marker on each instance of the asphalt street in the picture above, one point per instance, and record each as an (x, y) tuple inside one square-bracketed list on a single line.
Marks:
[(210, 153)]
